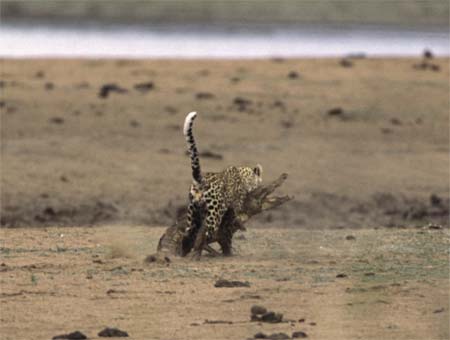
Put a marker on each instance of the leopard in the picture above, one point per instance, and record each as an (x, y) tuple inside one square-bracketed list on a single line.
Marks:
[(214, 196)]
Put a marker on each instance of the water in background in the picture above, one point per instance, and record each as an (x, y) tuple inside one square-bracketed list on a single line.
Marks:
[(22, 40)]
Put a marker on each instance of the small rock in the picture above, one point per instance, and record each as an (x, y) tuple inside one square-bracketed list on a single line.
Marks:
[(435, 200), (241, 101), (258, 310), (49, 86), (57, 120), (39, 74), (77, 335), (218, 322), (272, 317), (260, 335), (210, 154), (151, 258), (107, 88), (204, 95), (435, 67), (434, 226), (427, 54), (350, 238), (440, 310), (112, 333), (312, 323), (134, 123), (341, 275), (346, 63), (299, 334), (301, 320), (144, 87), (293, 75), (221, 283), (336, 111), (395, 121)]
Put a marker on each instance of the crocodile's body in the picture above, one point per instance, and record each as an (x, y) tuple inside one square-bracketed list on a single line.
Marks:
[(173, 241)]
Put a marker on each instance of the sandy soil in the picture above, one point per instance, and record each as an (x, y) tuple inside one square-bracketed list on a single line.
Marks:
[(71, 157), (58, 280), (366, 147)]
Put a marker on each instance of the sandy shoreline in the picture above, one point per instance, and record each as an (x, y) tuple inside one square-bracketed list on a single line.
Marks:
[(71, 157)]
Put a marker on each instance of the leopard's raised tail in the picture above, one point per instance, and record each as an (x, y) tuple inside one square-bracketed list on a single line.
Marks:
[(193, 153)]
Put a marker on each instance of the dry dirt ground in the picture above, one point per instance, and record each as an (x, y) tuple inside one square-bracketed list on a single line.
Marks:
[(366, 147), (72, 157), (394, 284)]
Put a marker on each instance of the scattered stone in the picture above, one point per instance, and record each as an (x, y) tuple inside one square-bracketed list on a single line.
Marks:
[(346, 63), (218, 322), (287, 124), (272, 317), (278, 336), (134, 123), (435, 67), (39, 74), (242, 103), (107, 88), (427, 54), (77, 335), (57, 120), (341, 275), (440, 310), (301, 320), (49, 86), (293, 75), (312, 323), (203, 73), (49, 211), (210, 154), (350, 238), (235, 79), (204, 95), (154, 258), (435, 200), (112, 333), (336, 111), (434, 226), (395, 121), (299, 334), (258, 310), (222, 283), (144, 87), (369, 274), (260, 335)]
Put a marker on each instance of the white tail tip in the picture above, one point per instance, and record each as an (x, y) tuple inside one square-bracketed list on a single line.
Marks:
[(189, 118)]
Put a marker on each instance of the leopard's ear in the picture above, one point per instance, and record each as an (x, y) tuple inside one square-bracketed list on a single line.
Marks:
[(258, 170)]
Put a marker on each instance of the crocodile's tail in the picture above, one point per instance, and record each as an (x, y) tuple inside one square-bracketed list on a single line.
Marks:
[(195, 162)]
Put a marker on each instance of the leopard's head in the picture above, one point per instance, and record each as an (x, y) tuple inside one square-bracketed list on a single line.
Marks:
[(252, 177)]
